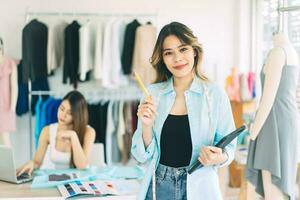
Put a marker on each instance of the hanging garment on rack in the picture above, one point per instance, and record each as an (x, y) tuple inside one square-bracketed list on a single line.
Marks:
[(98, 120), (46, 113), (22, 102), (128, 47), (107, 58), (71, 60), (112, 151), (245, 93), (134, 109), (145, 38), (251, 84), (7, 116), (87, 41), (128, 132), (34, 51), (52, 111), (115, 152), (121, 130), (99, 51), (116, 75), (56, 42), (38, 127)]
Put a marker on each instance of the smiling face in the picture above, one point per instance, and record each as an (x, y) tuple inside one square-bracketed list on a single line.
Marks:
[(178, 57), (64, 114)]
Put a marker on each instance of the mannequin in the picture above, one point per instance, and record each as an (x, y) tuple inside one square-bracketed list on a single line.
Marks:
[(13, 81), (282, 55)]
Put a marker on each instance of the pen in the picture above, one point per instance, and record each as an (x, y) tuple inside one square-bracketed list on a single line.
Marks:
[(141, 84)]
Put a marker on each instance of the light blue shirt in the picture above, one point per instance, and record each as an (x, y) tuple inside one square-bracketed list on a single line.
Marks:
[(203, 183)]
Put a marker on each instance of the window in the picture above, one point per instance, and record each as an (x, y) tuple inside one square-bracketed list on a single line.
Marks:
[(270, 21)]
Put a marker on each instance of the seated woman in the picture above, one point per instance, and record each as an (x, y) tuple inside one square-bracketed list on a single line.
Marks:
[(70, 139)]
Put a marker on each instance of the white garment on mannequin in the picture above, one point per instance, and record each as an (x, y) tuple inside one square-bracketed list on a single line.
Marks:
[(4, 136), (272, 70)]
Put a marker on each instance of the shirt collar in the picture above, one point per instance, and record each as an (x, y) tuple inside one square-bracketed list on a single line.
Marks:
[(196, 86)]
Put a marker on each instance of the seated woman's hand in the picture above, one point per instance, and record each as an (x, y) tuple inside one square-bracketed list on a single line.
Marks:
[(66, 135), (28, 167)]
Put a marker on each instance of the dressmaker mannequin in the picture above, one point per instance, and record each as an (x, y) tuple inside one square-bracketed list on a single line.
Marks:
[(4, 136), (272, 120)]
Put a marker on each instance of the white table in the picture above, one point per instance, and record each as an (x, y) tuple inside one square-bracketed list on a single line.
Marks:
[(24, 191)]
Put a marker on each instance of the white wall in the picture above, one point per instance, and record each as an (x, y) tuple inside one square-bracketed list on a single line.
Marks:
[(216, 23)]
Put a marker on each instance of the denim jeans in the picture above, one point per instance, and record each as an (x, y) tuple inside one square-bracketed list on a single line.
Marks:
[(170, 183)]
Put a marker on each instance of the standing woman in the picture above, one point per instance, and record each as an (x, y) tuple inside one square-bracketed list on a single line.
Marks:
[(70, 139), (178, 124)]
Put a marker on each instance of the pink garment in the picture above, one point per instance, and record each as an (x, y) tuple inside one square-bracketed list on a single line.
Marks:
[(251, 80), (7, 116)]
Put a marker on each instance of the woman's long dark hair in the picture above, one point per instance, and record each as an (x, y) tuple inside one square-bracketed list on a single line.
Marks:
[(79, 111), (186, 36)]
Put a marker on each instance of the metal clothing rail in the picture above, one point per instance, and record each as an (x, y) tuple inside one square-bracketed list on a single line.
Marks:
[(90, 14)]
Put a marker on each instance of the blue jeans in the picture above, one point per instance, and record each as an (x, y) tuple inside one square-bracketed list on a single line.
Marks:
[(170, 183)]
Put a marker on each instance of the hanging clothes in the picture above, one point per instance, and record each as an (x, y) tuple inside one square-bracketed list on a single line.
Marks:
[(116, 75), (145, 38), (56, 42), (22, 101), (99, 51), (34, 51), (98, 120), (87, 41), (46, 113), (71, 60), (7, 116), (128, 132), (246, 95), (106, 55), (251, 84), (128, 47)]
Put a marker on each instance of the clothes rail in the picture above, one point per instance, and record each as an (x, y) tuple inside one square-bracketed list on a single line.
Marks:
[(77, 14)]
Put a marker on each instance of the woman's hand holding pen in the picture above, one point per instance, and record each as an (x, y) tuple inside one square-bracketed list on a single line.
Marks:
[(210, 155), (147, 112)]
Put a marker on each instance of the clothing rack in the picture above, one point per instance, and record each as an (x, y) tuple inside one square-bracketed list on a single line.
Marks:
[(128, 94)]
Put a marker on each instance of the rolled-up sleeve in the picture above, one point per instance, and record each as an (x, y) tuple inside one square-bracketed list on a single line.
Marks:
[(138, 150), (225, 125)]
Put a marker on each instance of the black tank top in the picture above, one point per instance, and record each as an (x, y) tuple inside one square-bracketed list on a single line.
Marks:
[(176, 142)]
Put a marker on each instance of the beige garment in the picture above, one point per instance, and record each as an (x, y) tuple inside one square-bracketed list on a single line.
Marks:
[(55, 48), (145, 38)]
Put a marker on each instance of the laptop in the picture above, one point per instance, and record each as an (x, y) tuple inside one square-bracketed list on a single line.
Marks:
[(8, 169)]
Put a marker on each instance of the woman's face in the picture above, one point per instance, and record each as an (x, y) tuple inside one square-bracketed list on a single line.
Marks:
[(64, 114), (178, 57)]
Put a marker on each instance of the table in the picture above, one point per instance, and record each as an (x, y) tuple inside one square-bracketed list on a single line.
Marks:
[(17, 191)]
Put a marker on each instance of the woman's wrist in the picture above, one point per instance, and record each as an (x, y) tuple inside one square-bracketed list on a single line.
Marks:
[(224, 158)]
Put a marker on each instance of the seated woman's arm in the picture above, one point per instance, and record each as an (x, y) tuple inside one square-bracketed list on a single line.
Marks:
[(39, 155), (81, 155)]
